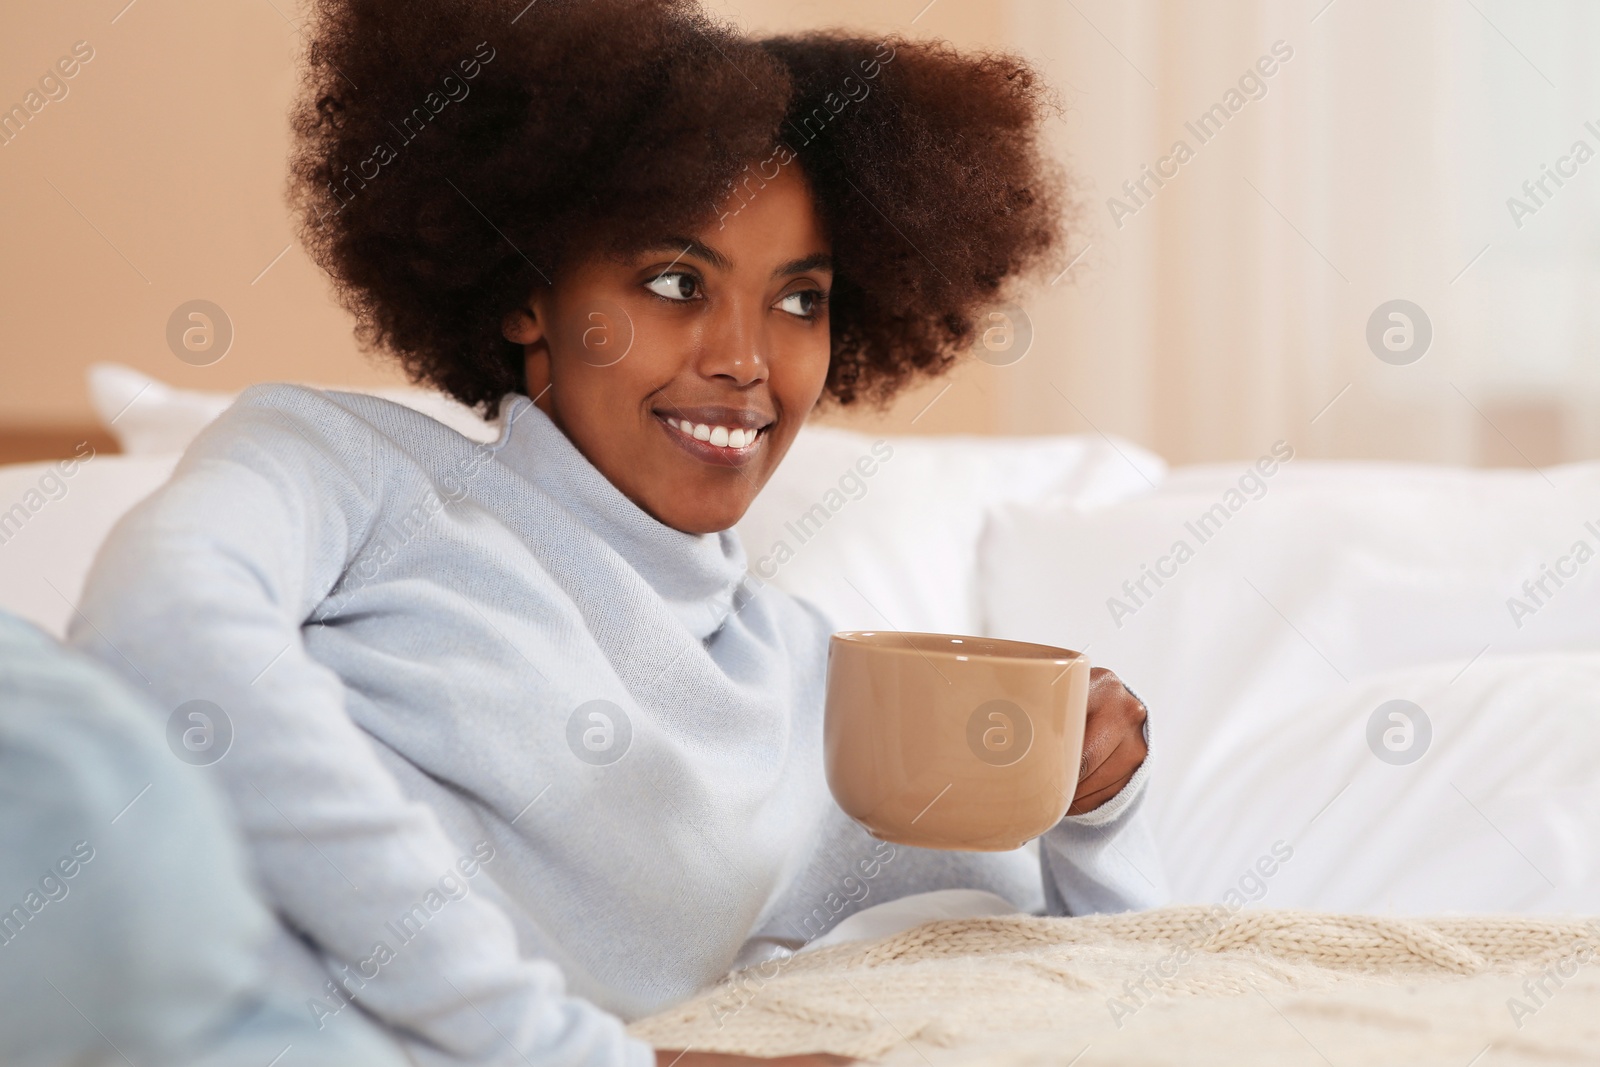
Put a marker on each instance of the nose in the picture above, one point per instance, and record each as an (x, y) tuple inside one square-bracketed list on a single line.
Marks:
[(737, 348)]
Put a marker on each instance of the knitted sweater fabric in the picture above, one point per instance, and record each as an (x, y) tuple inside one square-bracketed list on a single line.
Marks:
[(514, 761)]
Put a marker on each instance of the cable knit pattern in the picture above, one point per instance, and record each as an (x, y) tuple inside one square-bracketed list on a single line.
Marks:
[(1255, 986)]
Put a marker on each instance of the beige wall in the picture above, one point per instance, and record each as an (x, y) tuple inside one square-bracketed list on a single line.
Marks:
[(159, 179), (1227, 313)]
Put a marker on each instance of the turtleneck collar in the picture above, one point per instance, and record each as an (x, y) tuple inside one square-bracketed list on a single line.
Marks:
[(697, 575)]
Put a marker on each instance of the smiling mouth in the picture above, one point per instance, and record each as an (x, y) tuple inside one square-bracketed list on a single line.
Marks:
[(721, 445), (732, 437)]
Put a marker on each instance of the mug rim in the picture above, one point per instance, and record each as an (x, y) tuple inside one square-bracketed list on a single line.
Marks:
[(1057, 655)]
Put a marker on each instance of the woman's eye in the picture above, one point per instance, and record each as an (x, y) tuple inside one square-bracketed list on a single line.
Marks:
[(674, 285), (802, 304)]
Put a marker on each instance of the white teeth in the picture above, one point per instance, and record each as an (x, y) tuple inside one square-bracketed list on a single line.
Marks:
[(720, 436)]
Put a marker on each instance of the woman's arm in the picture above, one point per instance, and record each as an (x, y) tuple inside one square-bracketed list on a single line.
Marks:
[(200, 594)]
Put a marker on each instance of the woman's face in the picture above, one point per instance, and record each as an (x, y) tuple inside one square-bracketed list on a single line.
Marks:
[(683, 372)]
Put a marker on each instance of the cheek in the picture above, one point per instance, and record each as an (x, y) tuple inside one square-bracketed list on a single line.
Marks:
[(798, 371), (607, 364), (596, 332), (600, 406), (799, 367)]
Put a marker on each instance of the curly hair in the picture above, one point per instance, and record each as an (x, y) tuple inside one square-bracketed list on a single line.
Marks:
[(449, 160)]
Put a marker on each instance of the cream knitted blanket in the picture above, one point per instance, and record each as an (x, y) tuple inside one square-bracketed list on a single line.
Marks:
[(1196, 984)]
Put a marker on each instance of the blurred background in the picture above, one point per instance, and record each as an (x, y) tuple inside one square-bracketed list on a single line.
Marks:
[(1257, 182)]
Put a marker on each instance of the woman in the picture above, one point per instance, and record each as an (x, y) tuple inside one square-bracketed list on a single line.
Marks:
[(518, 746)]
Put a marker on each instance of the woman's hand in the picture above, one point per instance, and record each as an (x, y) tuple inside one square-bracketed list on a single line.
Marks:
[(668, 1058), (1113, 742)]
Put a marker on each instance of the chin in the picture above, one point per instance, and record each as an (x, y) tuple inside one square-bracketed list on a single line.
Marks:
[(702, 524), (705, 520)]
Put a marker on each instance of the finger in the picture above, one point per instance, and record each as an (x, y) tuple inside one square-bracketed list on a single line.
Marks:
[(1108, 778), (1112, 721), (1111, 774), (1113, 745), (1105, 733)]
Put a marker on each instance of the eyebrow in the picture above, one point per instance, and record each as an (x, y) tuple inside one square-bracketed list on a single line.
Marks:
[(815, 261), (688, 246)]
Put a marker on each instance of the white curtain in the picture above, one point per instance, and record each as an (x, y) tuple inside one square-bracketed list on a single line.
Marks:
[(1228, 307)]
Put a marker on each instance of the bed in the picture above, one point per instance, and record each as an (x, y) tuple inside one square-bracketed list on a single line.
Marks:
[(1375, 709)]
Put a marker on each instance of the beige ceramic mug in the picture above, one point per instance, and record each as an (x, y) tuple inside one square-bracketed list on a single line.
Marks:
[(946, 741)]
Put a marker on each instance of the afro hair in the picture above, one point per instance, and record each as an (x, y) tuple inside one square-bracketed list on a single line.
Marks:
[(449, 160)]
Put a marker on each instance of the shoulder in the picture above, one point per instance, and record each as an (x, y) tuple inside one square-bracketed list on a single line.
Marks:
[(327, 434), (292, 457), (332, 417), (285, 424)]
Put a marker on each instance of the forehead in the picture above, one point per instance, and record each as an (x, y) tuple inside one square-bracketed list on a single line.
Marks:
[(762, 222), (761, 211)]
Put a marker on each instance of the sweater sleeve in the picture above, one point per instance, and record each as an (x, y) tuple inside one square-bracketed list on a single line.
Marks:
[(1104, 860), (200, 593)]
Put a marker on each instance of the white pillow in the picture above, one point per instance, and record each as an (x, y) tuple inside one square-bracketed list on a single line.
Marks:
[(1336, 574), (882, 532), (1501, 813), (149, 417), (53, 517)]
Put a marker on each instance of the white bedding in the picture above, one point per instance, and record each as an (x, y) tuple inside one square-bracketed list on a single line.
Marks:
[(1338, 588), (47, 546), (1265, 654)]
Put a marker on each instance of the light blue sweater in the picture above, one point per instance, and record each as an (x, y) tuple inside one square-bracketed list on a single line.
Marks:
[(513, 759), (129, 931)]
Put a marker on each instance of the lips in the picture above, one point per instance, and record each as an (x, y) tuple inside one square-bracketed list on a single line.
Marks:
[(714, 415), (718, 444)]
